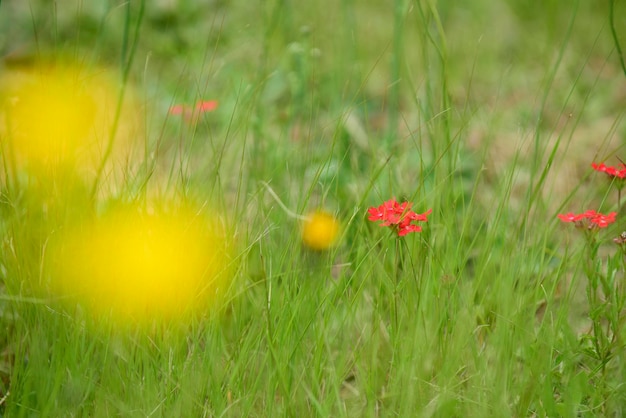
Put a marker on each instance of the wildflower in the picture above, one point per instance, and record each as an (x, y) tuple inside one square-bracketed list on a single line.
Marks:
[(320, 231), (570, 217), (398, 216), (192, 114), (621, 239), (136, 268), (602, 221), (611, 171), (177, 109), (206, 106), (589, 219), (56, 115)]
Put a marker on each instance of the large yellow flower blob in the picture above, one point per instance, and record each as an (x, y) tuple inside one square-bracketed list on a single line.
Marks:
[(61, 114), (139, 268)]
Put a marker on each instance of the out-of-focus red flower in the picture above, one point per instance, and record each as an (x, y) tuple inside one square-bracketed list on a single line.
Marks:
[(610, 170), (590, 219), (177, 110), (192, 114), (398, 216), (206, 105)]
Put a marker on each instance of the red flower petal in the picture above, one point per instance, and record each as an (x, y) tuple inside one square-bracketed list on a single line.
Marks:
[(177, 110), (610, 170), (206, 105), (602, 221), (375, 214), (397, 216), (588, 214), (423, 217), (569, 217), (408, 229), (595, 218), (599, 167)]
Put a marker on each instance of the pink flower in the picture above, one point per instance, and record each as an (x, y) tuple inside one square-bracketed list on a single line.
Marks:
[(398, 216)]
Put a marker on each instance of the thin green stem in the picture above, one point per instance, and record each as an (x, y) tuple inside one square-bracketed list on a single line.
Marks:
[(614, 35), (126, 66), (394, 89), (398, 272), (619, 200)]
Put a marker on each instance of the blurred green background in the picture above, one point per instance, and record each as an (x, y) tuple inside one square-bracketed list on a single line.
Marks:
[(490, 113)]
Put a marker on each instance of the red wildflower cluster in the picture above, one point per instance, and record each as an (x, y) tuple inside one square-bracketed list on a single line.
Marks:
[(191, 114), (610, 170), (398, 216), (590, 219)]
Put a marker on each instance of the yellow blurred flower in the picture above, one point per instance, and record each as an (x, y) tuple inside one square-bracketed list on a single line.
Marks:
[(320, 230), (60, 114), (137, 268)]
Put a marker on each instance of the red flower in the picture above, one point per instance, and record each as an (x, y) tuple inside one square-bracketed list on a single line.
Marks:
[(398, 216), (191, 114), (602, 221), (177, 109), (570, 217), (206, 105), (610, 170), (589, 218)]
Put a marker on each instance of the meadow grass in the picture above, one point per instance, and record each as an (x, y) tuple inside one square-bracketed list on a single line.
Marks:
[(488, 114)]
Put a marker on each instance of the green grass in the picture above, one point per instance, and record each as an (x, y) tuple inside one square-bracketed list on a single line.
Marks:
[(488, 113)]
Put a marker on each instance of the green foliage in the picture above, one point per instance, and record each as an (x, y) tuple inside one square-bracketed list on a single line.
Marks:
[(488, 113)]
